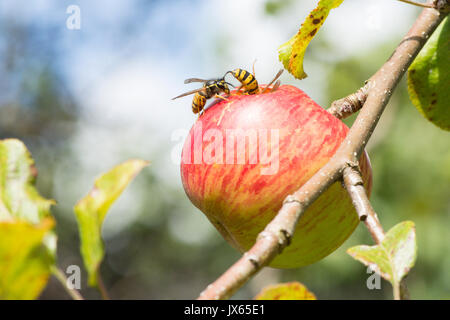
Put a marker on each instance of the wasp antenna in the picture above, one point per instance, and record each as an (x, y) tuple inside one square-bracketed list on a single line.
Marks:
[(226, 74)]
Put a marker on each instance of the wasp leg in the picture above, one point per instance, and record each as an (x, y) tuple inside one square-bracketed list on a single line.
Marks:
[(221, 97), (239, 89), (275, 86), (273, 80)]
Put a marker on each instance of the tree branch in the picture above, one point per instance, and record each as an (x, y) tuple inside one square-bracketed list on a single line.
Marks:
[(353, 182), (279, 231), (345, 107), (352, 103)]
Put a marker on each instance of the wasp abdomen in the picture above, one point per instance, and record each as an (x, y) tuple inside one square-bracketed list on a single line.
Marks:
[(247, 80), (199, 101)]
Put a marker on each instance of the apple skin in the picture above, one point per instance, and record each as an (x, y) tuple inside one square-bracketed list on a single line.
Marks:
[(240, 201)]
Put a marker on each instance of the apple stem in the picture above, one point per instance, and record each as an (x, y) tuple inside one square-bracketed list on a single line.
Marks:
[(277, 234)]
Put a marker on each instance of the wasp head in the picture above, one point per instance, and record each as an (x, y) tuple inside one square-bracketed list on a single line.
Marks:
[(223, 85)]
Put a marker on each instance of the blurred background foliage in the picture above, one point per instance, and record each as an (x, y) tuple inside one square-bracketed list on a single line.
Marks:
[(85, 100)]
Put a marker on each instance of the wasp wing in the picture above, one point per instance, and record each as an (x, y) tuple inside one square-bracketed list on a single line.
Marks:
[(276, 77), (188, 93), (276, 86), (190, 80)]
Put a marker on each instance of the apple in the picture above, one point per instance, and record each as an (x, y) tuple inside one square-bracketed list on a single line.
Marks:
[(244, 155)]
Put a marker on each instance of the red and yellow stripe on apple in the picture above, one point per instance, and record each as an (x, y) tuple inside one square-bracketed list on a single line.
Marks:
[(240, 200)]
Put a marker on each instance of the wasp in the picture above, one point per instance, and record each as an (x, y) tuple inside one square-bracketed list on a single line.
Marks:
[(249, 82), (211, 88)]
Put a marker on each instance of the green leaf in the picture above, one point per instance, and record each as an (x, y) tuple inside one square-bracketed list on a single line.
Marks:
[(286, 291), (291, 53), (394, 257), (19, 198), (25, 262), (91, 211), (429, 78)]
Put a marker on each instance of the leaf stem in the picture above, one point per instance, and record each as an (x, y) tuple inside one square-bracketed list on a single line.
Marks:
[(101, 287), (61, 277), (397, 295)]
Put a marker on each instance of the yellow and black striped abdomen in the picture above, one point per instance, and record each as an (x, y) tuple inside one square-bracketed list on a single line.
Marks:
[(198, 102), (247, 79)]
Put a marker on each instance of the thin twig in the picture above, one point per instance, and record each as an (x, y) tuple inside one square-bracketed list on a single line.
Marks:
[(279, 231), (61, 277), (353, 182), (423, 5)]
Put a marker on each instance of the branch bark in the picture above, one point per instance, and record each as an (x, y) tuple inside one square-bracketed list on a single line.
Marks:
[(352, 103), (279, 231), (353, 182)]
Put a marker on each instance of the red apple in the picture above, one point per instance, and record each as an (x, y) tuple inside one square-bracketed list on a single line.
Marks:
[(245, 155)]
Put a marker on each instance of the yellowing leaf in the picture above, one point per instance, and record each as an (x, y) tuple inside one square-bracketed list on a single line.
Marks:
[(394, 257), (291, 53), (24, 261), (19, 198), (429, 78), (286, 291), (91, 211), (27, 243)]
